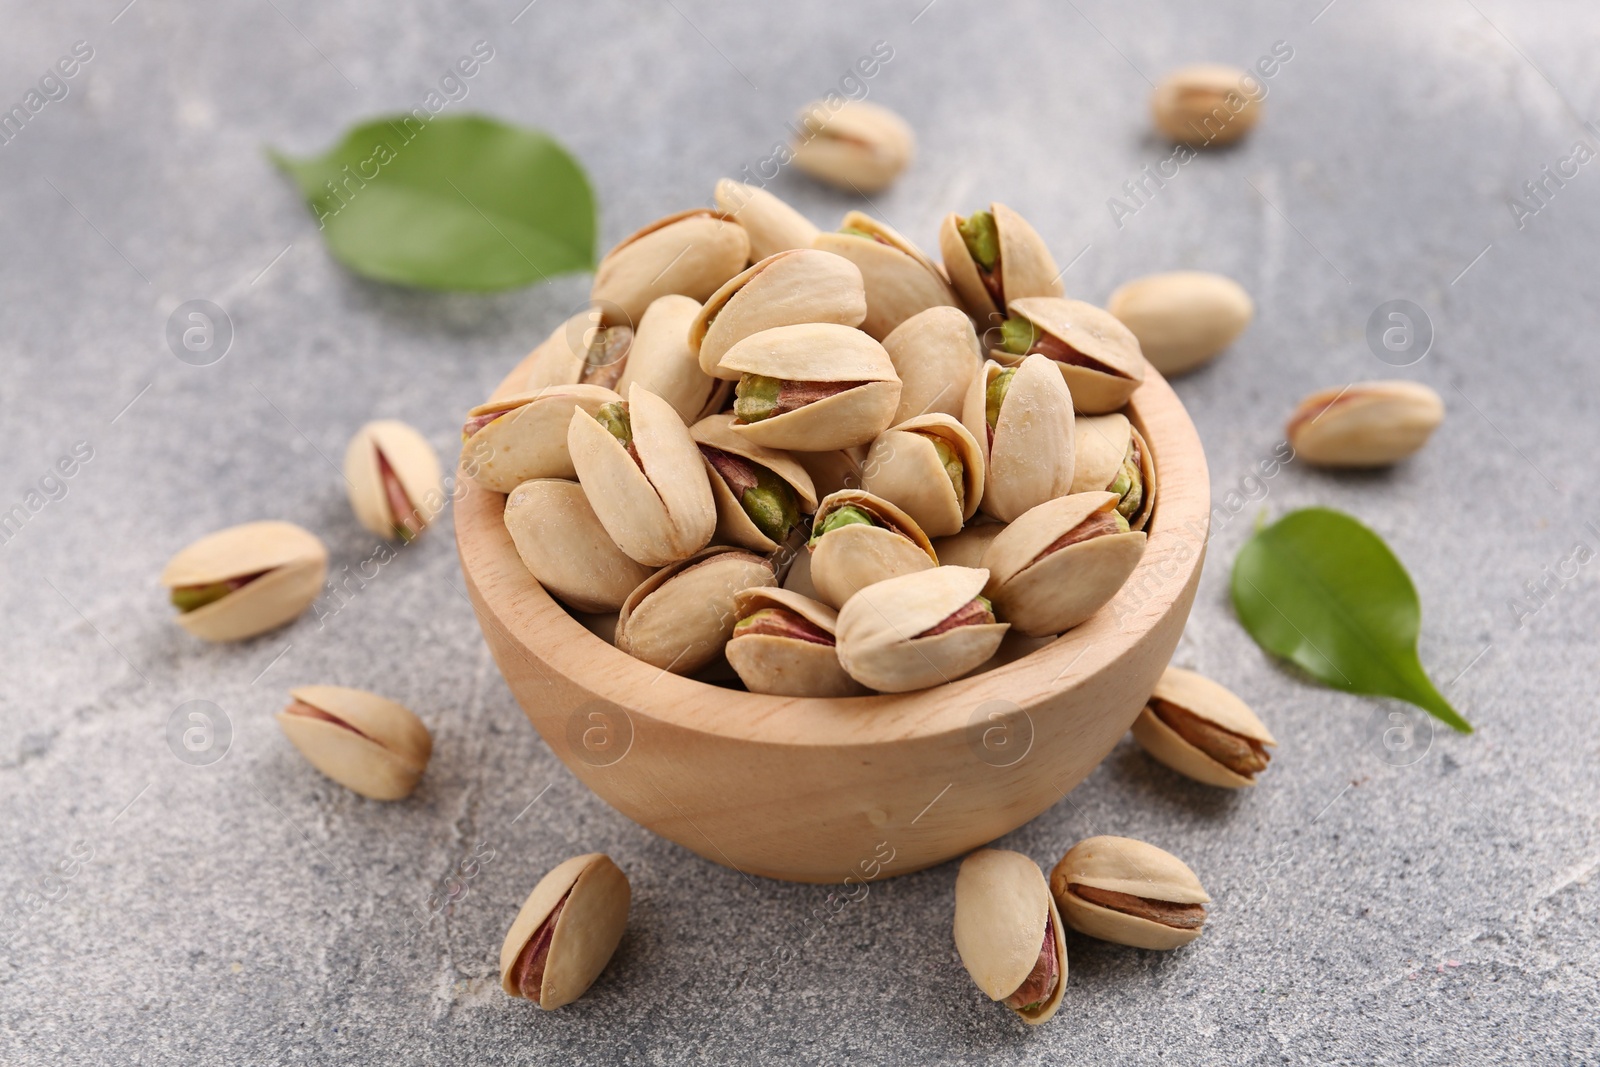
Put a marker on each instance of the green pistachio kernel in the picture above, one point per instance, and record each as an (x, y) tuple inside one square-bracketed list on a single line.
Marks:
[(1129, 485), (614, 417), (1017, 335), (756, 397), (849, 515), (856, 231), (995, 395), (771, 505), (193, 597), (981, 237), (954, 469)]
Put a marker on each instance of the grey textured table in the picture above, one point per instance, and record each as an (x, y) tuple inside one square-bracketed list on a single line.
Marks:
[(1374, 903)]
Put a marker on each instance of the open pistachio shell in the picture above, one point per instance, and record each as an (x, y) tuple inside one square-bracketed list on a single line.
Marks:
[(524, 436), (1202, 731), (1021, 264), (734, 522), (773, 225), (1006, 929), (566, 932), (1105, 443), (680, 618), (361, 740), (692, 252), (565, 547), (936, 354), (658, 508), (932, 468), (896, 636), (246, 580), (796, 286), (581, 351), (1043, 589), (1142, 895), (785, 657), (900, 281), (828, 354), (1030, 449), (833, 471), (393, 477), (1364, 424), (1097, 355), (1184, 318), (852, 557), (966, 549), (660, 360), (858, 146)]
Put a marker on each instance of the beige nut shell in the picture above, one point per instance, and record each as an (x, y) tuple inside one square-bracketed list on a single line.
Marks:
[(1204, 104), (564, 546), (1364, 424), (1182, 318), (681, 617), (381, 757), (1034, 452), (903, 467), (900, 280), (772, 225), (529, 439), (936, 354), (847, 560), (692, 253), (855, 145), (295, 561), (796, 286), (820, 352), (879, 626), (1210, 702), (587, 932), (1002, 906), (1102, 442), (562, 357), (414, 463), (966, 549), (734, 525), (1124, 865), (1096, 333), (660, 360), (1026, 266), (784, 666)]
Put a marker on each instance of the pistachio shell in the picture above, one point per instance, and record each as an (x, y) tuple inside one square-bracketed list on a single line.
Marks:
[(1003, 907), (900, 281), (377, 748), (1102, 444), (820, 352), (1123, 865), (1184, 318), (680, 618), (904, 468), (966, 549), (848, 559), (835, 470), (660, 360), (564, 546), (594, 896), (291, 563), (786, 666), (1025, 265), (1050, 595), (857, 146), (881, 627), (936, 354), (1032, 452), (563, 358), (734, 525), (1205, 104), (796, 286), (1364, 424), (529, 438), (692, 253), (1219, 713), (773, 225), (412, 464), (1095, 333)]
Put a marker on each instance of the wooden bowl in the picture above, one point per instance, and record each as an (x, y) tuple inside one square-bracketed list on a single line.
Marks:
[(816, 790)]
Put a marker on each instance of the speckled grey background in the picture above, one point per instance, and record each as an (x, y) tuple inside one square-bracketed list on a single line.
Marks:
[(1430, 902)]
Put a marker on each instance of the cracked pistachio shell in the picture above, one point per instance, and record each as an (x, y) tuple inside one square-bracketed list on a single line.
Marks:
[(1031, 453), (1102, 444), (1219, 712), (658, 508), (1205, 104), (797, 286), (1366, 424), (563, 358), (879, 630), (1123, 865), (849, 559), (966, 549), (857, 146), (1025, 265), (835, 470), (1003, 906), (1096, 335), (900, 281), (773, 226), (563, 545), (692, 253), (904, 468), (820, 352), (594, 897), (291, 563), (1051, 595), (528, 438), (734, 525), (413, 466), (680, 618), (1183, 318), (789, 666), (660, 360), (936, 354), (376, 748)]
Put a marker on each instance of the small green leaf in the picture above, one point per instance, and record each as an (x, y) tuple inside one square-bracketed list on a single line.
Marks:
[(1320, 589), (464, 202)]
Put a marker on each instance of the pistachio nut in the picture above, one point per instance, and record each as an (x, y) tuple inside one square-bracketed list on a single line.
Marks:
[(812, 387), (1113, 457), (564, 546), (858, 539), (1098, 356), (783, 645), (796, 286), (772, 225), (833, 471), (1205, 104), (392, 476), (680, 618), (935, 353), (661, 360), (994, 256), (1009, 933), (1126, 891), (582, 351), (966, 549), (762, 494), (1184, 318), (919, 629), (644, 477), (857, 146), (1021, 417), (1060, 562), (362, 741), (566, 932), (900, 280), (245, 580), (1364, 424), (692, 253), (523, 436), (1203, 731), (932, 468)]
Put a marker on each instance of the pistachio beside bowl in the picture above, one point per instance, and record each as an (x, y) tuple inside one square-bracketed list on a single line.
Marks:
[(1009, 934), (245, 580), (366, 743), (1202, 731), (1129, 892), (567, 931)]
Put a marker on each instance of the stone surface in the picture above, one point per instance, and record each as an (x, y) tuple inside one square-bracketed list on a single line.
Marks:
[(1374, 903)]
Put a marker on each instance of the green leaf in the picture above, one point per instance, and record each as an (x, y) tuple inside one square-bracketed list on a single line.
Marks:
[(464, 202), (1320, 589)]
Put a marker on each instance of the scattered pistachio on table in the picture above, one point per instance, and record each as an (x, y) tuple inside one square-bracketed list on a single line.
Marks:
[(1126, 891), (1205, 104), (1184, 318), (245, 580), (566, 932), (1009, 934), (363, 741), (1202, 731), (1364, 424), (858, 146)]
